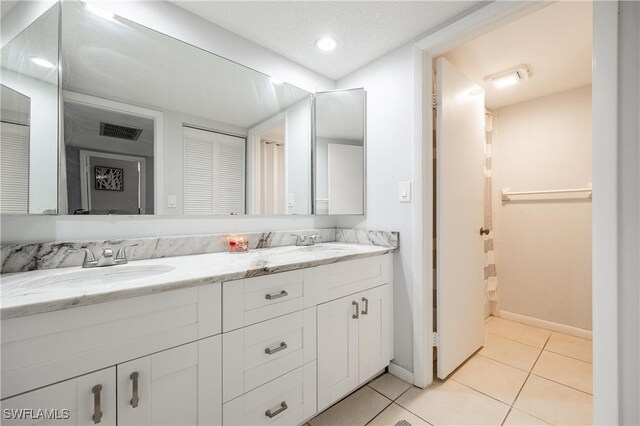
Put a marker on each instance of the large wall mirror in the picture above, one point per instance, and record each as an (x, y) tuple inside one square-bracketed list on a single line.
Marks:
[(152, 125)]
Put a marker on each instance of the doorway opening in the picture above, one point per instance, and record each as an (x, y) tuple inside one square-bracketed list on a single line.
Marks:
[(512, 186)]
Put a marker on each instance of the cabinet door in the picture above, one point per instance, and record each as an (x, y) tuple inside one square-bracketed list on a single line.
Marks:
[(85, 400), (375, 331), (337, 349), (179, 386)]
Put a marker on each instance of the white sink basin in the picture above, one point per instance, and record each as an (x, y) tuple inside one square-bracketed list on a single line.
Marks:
[(105, 275)]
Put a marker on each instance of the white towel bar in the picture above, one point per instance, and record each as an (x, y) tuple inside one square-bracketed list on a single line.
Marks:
[(506, 194)]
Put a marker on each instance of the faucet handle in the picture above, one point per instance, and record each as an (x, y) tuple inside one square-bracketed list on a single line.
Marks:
[(299, 238), (314, 237), (121, 255), (89, 258)]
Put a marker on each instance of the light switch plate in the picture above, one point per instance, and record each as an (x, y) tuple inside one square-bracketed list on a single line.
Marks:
[(404, 191), (171, 201)]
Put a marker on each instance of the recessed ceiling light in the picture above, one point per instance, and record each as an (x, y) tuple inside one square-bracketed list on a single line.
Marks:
[(97, 11), (510, 77), (42, 62), (276, 81), (326, 43)]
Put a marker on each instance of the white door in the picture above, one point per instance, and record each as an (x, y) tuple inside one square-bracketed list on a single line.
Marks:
[(85, 400), (337, 349), (459, 217), (375, 331), (179, 386)]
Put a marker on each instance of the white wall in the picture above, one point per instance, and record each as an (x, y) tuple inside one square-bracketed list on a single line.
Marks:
[(543, 246), (176, 22), (389, 85)]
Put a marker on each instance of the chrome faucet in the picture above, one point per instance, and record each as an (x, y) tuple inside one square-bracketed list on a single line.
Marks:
[(306, 240), (106, 259)]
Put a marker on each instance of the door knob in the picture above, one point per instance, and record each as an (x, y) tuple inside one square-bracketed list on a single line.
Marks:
[(484, 231)]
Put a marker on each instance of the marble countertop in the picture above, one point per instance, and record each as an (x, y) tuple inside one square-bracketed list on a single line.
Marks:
[(28, 293)]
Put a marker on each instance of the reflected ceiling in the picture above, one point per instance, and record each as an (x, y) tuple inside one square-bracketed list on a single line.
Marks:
[(126, 62)]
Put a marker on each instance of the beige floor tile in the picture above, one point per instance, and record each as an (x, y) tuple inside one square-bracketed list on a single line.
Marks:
[(568, 371), (518, 418), (390, 386), (572, 346), (451, 403), (492, 378), (510, 352), (395, 413), (517, 331), (554, 403), (355, 410)]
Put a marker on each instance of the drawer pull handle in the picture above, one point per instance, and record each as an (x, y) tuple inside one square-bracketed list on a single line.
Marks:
[(270, 351), (283, 293), (365, 311), (97, 411), (270, 414), (357, 314), (134, 378)]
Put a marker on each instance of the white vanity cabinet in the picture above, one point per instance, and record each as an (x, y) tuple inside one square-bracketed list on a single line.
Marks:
[(171, 339), (272, 349), (296, 342), (355, 341)]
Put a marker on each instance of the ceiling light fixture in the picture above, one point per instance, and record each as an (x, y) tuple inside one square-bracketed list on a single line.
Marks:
[(326, 43), (42, 62), (510, 77), (276, 81), (97, 11)]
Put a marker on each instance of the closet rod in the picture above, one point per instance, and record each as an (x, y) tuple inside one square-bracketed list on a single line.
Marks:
[(506, 194)]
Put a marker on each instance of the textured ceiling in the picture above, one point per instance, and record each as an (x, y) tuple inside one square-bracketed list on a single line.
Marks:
[(365, 30), (556, 43)]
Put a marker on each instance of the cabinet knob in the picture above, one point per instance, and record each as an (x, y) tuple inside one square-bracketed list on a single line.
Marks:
[(134, 379), (97, 410)]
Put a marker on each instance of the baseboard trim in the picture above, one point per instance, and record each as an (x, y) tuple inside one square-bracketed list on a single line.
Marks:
[(554, 326), (401, 373)]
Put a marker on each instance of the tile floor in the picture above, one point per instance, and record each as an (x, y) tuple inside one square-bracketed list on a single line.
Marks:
[(523, 376)]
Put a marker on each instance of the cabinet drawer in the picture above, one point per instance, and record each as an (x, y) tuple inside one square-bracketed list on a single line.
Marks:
[(258, 299), (290, 339), (331, 282), (287, 400)]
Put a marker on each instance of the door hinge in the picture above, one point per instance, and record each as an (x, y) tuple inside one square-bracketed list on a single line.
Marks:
[(434, 100), (436, 340)]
